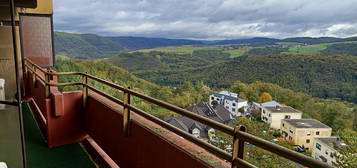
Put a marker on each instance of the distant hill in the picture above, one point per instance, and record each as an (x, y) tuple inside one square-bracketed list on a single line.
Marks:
[(146, 42), (84, 46), (319, 75)]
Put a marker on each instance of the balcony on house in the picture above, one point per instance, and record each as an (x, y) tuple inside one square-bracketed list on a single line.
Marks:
[(41, 126)]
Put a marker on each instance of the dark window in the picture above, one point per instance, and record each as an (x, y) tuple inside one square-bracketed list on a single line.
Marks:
[(233, 104), (233, 109), (212, 98), (318, 146), (291, 131), (263, 111), (269, 115), (308, 141), (283, 124), (317, 132), (331, 155), (287, 117)]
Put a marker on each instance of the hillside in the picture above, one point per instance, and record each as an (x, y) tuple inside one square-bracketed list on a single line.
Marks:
[(84, 46), (319, 75)]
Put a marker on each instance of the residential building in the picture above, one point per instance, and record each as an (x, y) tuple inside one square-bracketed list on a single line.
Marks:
[(324, 149), (230, 101), (274, 115), (273, 103), (199, 130), (303, 131)]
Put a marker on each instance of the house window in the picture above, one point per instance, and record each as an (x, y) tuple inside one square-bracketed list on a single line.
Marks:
[(331, 155), (269, 115), (317, 132), (308, 133), (326, 152), (217, 99), (291, 132), (233, 109), (233, 104), (308, 141), (290, 138), (227, 107), (287, 117), (212, 98), (263, 111), (318, 146), (283, 125)]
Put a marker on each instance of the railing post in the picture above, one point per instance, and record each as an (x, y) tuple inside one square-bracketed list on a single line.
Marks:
[(85, 89), (126, 117), (34, 75), (47, 86), (238, 144)]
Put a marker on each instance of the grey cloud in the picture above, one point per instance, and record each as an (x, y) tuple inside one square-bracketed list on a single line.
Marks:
[(208, 19)]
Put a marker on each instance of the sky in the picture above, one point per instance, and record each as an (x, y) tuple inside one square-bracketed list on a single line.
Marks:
[(208, 19)]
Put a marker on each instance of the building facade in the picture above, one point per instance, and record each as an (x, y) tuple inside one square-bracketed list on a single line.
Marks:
[(274, 115), (230, 101), (303, 131), (324, 149)]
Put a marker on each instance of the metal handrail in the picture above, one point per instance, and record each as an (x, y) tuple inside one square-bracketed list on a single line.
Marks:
[(240, 135)]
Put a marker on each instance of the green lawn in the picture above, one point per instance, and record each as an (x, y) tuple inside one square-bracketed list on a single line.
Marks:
[(179, 49), (40, 156)]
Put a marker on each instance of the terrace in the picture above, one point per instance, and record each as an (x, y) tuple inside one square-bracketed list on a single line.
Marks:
[(44, 127)]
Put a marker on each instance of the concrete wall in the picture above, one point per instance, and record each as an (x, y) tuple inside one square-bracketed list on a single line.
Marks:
[(324, 151)]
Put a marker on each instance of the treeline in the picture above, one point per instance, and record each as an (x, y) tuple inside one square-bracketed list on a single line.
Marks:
[(324, 76)]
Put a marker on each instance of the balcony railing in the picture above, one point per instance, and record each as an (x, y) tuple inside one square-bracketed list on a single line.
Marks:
[(239, 134)]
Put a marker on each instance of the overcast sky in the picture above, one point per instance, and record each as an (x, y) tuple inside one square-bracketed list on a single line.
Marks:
[(208, 19)]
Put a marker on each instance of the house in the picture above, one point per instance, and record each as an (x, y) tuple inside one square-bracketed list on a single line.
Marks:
[(199, 130), (2, 93), (274, 115), (303, 131), (273, 103), (324, 149), (230, 101)]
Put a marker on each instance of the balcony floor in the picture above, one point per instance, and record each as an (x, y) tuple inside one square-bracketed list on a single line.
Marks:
[(40, 156)]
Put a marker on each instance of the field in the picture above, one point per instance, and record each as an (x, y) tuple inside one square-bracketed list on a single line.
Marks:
[(190, 49), (311, 49)]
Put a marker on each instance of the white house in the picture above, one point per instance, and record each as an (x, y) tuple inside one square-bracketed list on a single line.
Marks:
[(230, 101), (324, 149), (274, 115)]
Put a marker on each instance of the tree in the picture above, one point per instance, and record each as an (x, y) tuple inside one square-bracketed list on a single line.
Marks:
[(265, 97)]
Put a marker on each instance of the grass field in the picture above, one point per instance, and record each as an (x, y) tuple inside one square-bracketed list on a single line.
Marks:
[(189, 49), (180, 49), (310, 49)]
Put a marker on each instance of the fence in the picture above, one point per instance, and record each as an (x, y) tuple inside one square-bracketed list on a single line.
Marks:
[(239, 134)]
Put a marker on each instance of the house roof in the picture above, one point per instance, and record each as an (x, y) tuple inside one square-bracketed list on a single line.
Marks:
[(219, 114), (270, 104), (284, 109), (228, 97), (305, 123), (332, 141)]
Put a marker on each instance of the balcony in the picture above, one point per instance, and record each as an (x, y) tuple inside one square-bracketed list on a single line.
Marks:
[(64, 127)]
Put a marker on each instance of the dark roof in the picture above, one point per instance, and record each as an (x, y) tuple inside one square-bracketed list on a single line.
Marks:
[(231, 98), (219, 114), (282, 109), (306, 123), (332, 141)]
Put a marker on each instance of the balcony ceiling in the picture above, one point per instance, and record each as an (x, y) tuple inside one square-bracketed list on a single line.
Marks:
[(20, 3)]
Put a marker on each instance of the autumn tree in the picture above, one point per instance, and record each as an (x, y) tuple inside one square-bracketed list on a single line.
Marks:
[(265, 97)]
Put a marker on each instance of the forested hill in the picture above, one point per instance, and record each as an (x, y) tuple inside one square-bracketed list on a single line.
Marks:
[(84, 46), (319, 75)]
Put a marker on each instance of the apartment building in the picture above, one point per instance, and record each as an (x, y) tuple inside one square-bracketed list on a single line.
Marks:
[(303, 131), (230, 101), (324, 149), (274, 115)]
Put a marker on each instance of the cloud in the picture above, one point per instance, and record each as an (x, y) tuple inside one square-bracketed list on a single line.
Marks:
[(208, 19)]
